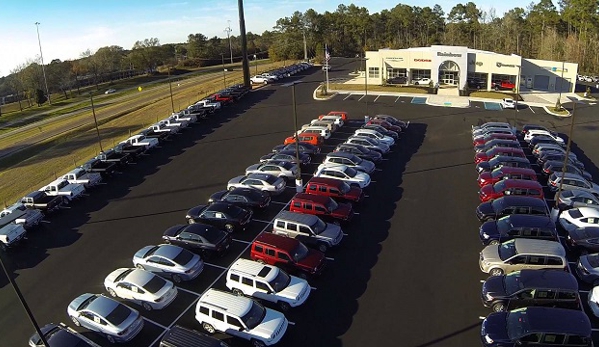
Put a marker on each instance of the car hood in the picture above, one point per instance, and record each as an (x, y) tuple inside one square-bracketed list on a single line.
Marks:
[(236, 180), (490, 229), (343, 211), (195, 211), (485, 178), (483, 166), (580, 234), (494, 287), (491, 254), (368, 165), (217, 196), (312, 260), (267, 156), (495, 327), (172, 231), (485, 209), (252, 167), (270, 325), (296, 287), (331, 232), (487, 191), (361, 176)]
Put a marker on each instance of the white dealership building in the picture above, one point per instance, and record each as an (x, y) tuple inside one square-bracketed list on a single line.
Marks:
[(457, 64)]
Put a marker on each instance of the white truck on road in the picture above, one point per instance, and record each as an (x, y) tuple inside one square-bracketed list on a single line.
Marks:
[(62, 187), (80, 176), (141, 140), (19, 214)]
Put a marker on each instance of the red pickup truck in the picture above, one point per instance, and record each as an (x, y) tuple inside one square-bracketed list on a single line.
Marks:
[(506, 84), (223, 98)]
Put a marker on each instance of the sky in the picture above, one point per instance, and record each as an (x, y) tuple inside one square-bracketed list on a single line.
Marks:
[(67, 28)]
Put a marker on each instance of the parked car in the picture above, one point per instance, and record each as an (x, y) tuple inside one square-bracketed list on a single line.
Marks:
[(501, 161), (304, 147), (504, 173), (169, 261), (308, 229), (350, 160), (304, 158), (344, 173), (385, 124), (572, 181), (528, 127), (492, 131), (577, 198), (19, 214), (541, 326), (178, 336), (360, 151), (60, 335), (322, 206), (580, 217), (496, 151), (221, 215), (514, 226), (397, 80), (508, 103), (369, 143), (552, 166), (265, 182), (375, 135), (141, 287), (534, 133), (526, 288), (584, 240), (556, 156), (393, 120), (480, 141), (497, 143), (334, 188), (519, 254), (308, 137), (540, 139), (244, 197), (424, 81), (382, 130), (488, 125), (475, 83), (587, 268), (80, 176), (285, 169), (203, 239), (509, 205), (593, 301), (511, 187), (106, 316)]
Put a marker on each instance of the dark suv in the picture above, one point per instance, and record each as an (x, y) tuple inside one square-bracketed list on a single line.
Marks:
[(476, 83), (509, 205), (397, 80), (199, 238), (514, 226), (537, 326), (531, 288)]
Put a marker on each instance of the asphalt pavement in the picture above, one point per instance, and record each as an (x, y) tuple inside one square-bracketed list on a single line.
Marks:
[(405, 275)]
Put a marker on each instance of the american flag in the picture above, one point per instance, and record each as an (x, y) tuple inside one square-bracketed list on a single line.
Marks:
[(327, 56)]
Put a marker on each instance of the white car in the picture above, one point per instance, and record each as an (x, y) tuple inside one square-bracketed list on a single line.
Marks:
[(344, 173), (332, 118), (322, 131), (144, 288), (169, 260), (350, 160), (110, 91), (532, 133), (265, 182), (373, 134), (369, 143), (80, 176), (580, 217), (276, 168), (423, 81), (593, 300), (259, 79), (508, 103)]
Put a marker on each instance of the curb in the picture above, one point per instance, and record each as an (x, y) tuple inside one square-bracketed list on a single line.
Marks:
[(557, 114), (319, 98)]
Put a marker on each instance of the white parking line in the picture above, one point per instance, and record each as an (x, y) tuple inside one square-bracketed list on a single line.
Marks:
[(375, 99), (397, 98), (362, 97), (594, 329), (348, 95), (357, 213), (584, 291), (312, 288), (531, 109), (329, 258), (156, 324), (344, 234), (291, 323), (216, 266), (188, 291), (242, 241), (262, 221)]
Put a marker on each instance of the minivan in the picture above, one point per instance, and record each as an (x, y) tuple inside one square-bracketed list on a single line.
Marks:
[(308, 229), (506, 172), (513, 188), (508, 205)]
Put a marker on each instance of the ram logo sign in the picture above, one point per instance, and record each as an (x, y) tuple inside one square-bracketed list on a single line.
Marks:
[(505, 65)]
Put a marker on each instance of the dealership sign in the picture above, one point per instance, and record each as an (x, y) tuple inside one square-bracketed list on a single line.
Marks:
[(477, 63), (422, 60), (555, 69), (445, 54), (394, 59), (505, 65)]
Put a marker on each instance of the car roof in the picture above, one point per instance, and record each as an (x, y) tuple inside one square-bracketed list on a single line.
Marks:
[(526, 220), (167, 251), (511, 183), (319, 199), (516, 170), (200, 228), (102, 305), (588, 212), (505, 158), (569, 175), (557, 320), (221, 206), (573, 193), (232, 304), (302, 218), (341, 154), (532, 246), (255, 268), (506, 149), (521, 201), (548, 279), (285, 243), (335, 168), (326, 181), (138, 276)]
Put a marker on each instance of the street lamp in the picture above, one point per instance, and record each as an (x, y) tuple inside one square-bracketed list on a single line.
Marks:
[(256, 62), (170, 87), (299, 184), (228, 31), (222, 57), (517, 94), (37, 27), (91, 98), (559, 99), (366, 83)]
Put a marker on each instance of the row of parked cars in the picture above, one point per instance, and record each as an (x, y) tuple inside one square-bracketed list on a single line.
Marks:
[(280, 73), (532, 290), (114, 320)]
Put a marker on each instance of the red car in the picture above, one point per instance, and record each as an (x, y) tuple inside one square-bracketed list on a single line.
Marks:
[(483, 140), (511, 187), (334, 188), (505, 151), (322, 206), (223, 98), (343, 115), (385, 125), (506, 172)]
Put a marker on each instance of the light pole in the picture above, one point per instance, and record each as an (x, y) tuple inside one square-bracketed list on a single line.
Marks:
[(222, 56), (22, 300), (559, 99), (366, 82), (299, 184), (170, 87), (91, 98), (517, 95), (37, 27), (228, 31), (566, 158), (305, 46), (256, 63)]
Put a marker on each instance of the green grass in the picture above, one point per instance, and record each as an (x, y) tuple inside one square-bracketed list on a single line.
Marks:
[(560, 111)]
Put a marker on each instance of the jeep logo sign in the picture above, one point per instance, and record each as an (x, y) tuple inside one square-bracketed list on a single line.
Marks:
[(477, 63), (505, 65), (445, 54)]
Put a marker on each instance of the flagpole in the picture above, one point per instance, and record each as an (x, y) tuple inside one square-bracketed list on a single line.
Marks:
[(326, 59)]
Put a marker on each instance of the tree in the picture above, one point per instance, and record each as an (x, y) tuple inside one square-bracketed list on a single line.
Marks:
[(40, 97), (146, 54)]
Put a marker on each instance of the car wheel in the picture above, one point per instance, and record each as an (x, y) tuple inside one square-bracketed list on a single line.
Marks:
[(209, 328), (284, 306), (415, 83), (496, 272), (177, 279), (498, 307), (494, 243), (322, 247), (496, 89), (112, 292), (139, 266), (110, 338), (229, 228), (147, 306), (258, 343), (237, 292), (75, 321)]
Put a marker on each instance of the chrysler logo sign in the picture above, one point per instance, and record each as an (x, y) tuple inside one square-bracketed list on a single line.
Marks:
[(422, 60), (445, 54), (505, 65)]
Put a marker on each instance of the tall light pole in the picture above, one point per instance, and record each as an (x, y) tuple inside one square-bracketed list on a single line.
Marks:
[(299, 184), (517, 95), (170, 87), (559, 99), (37, 27), (366, 82), (305, 46), (566, 158), (222, 57), (256, 61), (228, 31), (91, 98)]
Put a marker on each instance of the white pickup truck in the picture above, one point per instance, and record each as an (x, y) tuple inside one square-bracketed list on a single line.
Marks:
[(186, 115), (163, 128), (80, 176), (140, 140), (19, 214), (171, 122), (216, 105), (11, 234), (62, 187)]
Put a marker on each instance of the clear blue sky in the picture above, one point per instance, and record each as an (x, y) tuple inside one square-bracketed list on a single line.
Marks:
[(70, 27)]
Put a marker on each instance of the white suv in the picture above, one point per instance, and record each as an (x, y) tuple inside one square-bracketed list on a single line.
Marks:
[(240, 316), (267, 282)]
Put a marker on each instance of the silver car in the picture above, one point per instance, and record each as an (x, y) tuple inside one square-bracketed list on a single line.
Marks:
[(577, 198), (284, 169), (106, 316), (169, 260), (373, 134), (264, 182), (141, 287), (368, 143), (349, 159), (587, 268), (572, 181)]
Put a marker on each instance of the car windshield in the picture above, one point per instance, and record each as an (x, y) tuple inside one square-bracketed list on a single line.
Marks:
[(512, 282), (299, 253), (213, 235), (499, 186), (344, 188), (507, 250), (254, 316), (183, 257), (118, 315), (332, 205), (280, 282), (517, 324), (504, 225), (155, 284), (497, 173), (271, 179), (319, 226), (593, 260), (357, 160), (350, 172)]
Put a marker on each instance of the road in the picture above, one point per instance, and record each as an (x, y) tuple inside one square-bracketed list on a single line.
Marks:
[(406, 274)]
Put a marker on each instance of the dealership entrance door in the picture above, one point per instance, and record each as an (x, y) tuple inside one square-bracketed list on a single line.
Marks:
[(449, 73)]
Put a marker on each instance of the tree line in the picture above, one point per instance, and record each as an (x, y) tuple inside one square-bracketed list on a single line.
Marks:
[(539, 31)]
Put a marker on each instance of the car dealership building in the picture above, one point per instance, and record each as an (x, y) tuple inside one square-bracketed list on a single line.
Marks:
[(455, 65)]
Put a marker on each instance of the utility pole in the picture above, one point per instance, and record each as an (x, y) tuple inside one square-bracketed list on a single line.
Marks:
[(305, 46), (222, 57), (559, 99), (244, 46), (228, 31), (91, 98), (37, 26)]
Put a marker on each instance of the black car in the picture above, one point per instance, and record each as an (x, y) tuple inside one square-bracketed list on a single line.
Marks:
[(531, 288), (61, 336), (537, 326), (476, 83), (381, 130), (248, 198), (552, 166), (360, 151), (541, 139), (559, 157), (501, 161), (220, 214), (304, 147), (199, 238), (397, 80), (508, 205), (496, 143), (517, 226), (584, 239), (288, 155)]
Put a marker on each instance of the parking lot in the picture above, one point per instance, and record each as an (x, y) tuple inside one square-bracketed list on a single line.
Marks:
[(406, 274)]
